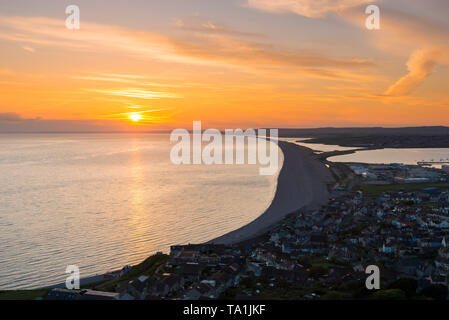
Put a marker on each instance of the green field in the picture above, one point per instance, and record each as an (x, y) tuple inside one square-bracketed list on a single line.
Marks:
[(148, 268)]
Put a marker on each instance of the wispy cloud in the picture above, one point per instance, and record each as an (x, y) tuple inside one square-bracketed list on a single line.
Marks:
[(136, 112), (100, 78), (264, 57), (211, 48), (136, 93), (420, 65), (404, 32), (149, 116), (307, 8), (212, 27), (29, 49), (10, 116), (42, 31), (14, 122), (126, 78)]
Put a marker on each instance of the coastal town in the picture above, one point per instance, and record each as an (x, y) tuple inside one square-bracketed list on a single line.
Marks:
[(395, 217)]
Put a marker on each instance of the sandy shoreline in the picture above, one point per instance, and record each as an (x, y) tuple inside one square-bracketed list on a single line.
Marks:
[(302, 183)]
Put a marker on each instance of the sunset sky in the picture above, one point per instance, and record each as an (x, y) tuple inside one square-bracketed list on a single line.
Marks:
[(160, 64)]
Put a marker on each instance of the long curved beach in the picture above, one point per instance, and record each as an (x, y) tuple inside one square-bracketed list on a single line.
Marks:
[(302, 183)]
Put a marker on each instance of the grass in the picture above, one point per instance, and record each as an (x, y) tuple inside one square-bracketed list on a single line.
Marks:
[(22, 294), (148, 268), (93, 285), (376, 190)]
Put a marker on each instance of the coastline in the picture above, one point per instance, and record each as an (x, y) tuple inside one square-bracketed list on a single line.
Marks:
[(302, 184)]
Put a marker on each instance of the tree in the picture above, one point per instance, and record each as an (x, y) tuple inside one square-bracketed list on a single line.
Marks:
[(435, 291)]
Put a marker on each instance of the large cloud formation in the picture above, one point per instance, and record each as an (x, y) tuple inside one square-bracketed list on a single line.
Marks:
[(307, 8), (420, 65), (401, 31)]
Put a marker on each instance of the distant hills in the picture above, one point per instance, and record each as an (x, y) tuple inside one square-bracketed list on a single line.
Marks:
[(291, 132), (375, 137)]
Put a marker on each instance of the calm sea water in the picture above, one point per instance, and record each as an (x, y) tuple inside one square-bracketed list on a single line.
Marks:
[(101, 201), (405, 156), (380, 156)]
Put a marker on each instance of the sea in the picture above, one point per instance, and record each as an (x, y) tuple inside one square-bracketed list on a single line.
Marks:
[(409, 156), (103, 201)]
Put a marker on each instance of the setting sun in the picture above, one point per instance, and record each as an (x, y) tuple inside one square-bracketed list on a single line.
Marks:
[(135, 117)]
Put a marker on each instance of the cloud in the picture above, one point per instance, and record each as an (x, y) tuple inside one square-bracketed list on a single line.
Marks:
[(212, 27), (152, 116), (264, 57), (307, 8), (208, 48), (403, 31), (10, 116), (423, 40), (136, 112), (420, 65), (29, 49), (125, 78), (137, 93), (13, 122), (92, 37)]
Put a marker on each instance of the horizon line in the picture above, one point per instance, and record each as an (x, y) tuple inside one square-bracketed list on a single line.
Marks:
[(221, 130)]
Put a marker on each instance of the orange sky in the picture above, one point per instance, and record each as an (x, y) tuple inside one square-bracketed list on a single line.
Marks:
[(235, 64)]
